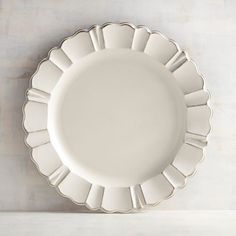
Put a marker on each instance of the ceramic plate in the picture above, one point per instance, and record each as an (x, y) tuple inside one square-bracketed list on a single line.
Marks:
[(117, 117)]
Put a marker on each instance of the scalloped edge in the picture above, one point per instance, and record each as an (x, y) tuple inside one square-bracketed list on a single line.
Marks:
[(132, 209)]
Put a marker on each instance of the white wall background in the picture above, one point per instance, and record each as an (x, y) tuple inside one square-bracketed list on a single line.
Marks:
[(205, 28)]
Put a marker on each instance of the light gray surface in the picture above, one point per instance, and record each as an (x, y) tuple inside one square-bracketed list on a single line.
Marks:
[(206, 29), (176, 223)]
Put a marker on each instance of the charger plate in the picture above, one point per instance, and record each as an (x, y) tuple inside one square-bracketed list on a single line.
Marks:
[(117, 117)]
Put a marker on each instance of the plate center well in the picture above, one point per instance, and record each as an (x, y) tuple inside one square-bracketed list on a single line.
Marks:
[(117, 117)]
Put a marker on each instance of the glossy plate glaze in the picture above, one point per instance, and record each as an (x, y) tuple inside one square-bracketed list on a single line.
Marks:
[(117, 117)]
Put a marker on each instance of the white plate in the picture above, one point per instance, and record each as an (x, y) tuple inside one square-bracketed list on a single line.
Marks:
[(117, 117)]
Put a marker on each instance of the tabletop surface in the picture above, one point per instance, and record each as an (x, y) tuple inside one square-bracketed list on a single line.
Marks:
[(206, 29), (167, 223)]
